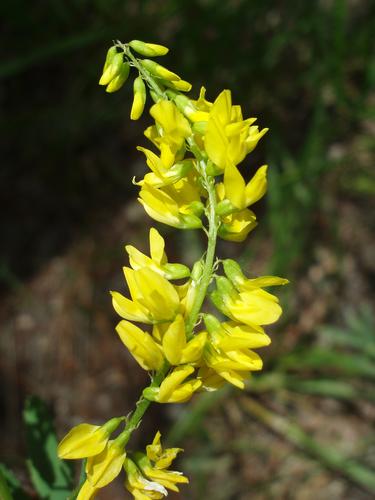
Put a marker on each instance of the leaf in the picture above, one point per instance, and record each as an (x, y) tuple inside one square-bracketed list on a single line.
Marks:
[(10, 487), (52, 477)]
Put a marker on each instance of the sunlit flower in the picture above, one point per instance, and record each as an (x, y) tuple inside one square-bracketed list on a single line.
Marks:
[(86, 440), (229, 138), (178, 205), (174, 388), (251, 307), (103, 468), (157, 261), (153, 298), (229, 349)]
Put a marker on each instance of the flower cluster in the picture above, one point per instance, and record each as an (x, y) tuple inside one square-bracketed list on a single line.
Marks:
[(193, 182)]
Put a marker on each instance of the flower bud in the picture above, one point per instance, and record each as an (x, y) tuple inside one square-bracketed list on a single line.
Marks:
[(212, 323), (120, 79), (112, 70), (139, 100), (225, 207), (190, 221), (197, 270), (109, 58), (148, 49), (176, 271), (200, 128), (225, 287), (180, 85), (158, 70), (233, 271), (185, 105)]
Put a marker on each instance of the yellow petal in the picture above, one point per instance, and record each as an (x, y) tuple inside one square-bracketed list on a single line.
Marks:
[(103, 468), (234, 186), (87, 491), (141, 345), (157, 247), (174, 340), (194, 348), (173, 380), (128, 309), (84, 440), (257, 186)]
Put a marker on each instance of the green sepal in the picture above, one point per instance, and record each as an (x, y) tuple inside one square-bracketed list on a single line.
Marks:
[(176, 271), (234, 272), (225, 207), (212, 323)]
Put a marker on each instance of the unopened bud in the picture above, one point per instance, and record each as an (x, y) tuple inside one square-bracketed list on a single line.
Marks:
[(120, 79), (113, 69), (139, 100), (233, 271), (158, 70), (148, 49), (190, 221), (212, 323), (176, 271), (225, 207), (225, 287)]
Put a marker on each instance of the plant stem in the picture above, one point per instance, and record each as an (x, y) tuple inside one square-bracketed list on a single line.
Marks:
[(206, 277)]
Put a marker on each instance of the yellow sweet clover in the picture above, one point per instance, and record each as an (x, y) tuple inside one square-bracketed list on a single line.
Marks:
[(148, 475), (194, 182)]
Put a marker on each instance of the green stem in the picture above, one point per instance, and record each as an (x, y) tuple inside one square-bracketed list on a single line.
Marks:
[(143, 403), (206, 277)]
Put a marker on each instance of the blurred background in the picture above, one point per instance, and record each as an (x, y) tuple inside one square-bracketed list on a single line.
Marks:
[(304, 429)]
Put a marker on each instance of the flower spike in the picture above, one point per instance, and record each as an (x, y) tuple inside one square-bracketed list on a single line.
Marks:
[(193, 181)]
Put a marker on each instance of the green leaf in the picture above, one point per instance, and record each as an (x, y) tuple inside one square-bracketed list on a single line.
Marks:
[(10, 487), (52, 477)]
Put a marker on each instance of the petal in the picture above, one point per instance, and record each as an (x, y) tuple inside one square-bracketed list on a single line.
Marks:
[(128, 309), (234, 186), (141, 345), (157, 247), (174, 340)]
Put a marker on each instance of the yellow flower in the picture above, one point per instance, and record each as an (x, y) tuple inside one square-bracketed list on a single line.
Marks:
[(103, 468), (87, 492), (169, 132), (140, 487), (147, 474), (236, 226), (158, 260), (141, 345), (162, 458), (177, 205), (252, 307), (154, 299), (229, 138), (173, 389), (234, 272), (228, 351), (86, 440), (163, 175), (211, 381), (166, 478), (176, 348), (236, 194)]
